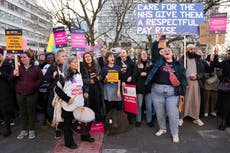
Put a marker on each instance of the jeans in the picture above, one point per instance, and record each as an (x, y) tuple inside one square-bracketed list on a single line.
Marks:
[(148, 103), (165, 101)]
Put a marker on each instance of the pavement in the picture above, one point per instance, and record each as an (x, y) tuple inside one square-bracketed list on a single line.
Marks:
[(193, 139)]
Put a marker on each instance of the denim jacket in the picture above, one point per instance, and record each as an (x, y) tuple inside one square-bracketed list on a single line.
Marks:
[(158, 61)]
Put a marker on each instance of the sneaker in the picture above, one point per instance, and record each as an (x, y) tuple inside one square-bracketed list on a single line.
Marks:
[(57, 134), (31, 134), (175, 138), (12, 123), (205, 114), (213, 114), (22, 134), (160, 132), (181, 121), (198, 122)]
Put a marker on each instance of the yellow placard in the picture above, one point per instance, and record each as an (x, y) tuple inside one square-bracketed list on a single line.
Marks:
[(112, 76), (14, 43)]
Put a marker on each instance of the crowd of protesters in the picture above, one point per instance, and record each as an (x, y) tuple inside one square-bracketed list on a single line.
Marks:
[(160, 79)]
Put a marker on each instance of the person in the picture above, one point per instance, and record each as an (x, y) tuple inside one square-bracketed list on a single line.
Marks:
[(54, 72), (141, 70), (223, 105), (166, 92), (112, 89), (28, 79), (7, 97), (101, 60), (91, 74), (70, 89), (126, 64), (194, 75), (210, 89)]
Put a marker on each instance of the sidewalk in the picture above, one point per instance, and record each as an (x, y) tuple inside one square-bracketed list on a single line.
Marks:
[(83, 147)]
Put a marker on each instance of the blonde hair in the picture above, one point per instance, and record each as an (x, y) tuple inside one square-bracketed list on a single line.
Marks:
[(1, 59)]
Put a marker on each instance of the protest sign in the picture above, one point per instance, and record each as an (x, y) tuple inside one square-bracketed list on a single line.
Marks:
[(207, 38), (130, 99), (60, 38), (113, 76), (78, 40), (24, 44), (51, 47), (169, 18), (218, 23), (14, 41), (97, 51)]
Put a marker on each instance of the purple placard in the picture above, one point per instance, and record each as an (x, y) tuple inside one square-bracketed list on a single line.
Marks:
[(97, 51), (60, 38), (218, 23), (78, 40)]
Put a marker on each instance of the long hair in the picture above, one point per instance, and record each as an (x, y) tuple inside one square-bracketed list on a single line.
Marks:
[(68, 73), (1, 59)]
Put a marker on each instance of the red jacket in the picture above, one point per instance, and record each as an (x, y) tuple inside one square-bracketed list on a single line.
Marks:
[(29, 80)]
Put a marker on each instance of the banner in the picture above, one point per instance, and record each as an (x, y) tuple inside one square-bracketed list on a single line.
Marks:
[(97, 51), (130, 99), (60, 38), (78, 40), (207, 38), (218, 23), (169, 18), (51, 47), (14, 41)]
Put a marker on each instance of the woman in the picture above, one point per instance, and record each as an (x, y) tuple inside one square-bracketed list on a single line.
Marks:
[(70, 89), (223, 105), (7, 94), (126, 64), (92, 79), (141, 71), (111, 76), (166, 92), (28, 79)]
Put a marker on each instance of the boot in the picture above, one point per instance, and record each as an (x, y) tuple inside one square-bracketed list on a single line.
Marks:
[(222, 125)]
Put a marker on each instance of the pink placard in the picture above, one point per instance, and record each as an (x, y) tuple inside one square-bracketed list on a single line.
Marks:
[(218, 23), (130, 99), (60, 37)]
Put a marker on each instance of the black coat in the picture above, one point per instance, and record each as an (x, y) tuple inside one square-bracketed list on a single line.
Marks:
[(139, 80), (129, 69), (7, 93)]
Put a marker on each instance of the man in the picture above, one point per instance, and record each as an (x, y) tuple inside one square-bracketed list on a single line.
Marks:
[(194, 77), (52, 75)]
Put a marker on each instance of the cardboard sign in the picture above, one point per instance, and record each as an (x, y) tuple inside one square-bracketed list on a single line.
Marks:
[(130, 99), (169, 18), (162, 44), (113, 76), (14, 41), (218, 23), (97, 51), (60, 37), (207, 38)]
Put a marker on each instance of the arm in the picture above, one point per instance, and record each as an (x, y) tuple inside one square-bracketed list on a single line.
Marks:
[(183, 80), (62, 94), (154, 51)]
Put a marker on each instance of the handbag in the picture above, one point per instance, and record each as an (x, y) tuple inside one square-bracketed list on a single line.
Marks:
[(224, 86), (97, 128), (173, 79), (212, 79)]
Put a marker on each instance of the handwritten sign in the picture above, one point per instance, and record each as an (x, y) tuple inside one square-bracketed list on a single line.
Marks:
[(208, 38), (14, 41), (113, 76), (60, 37), (218, 23), (169, 18)]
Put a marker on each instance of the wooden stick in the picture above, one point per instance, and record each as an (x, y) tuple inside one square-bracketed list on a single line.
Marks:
[(78, 61), (16, 62), (185, 58)]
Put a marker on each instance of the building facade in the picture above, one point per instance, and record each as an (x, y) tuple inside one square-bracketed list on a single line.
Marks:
[(35, 22)]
